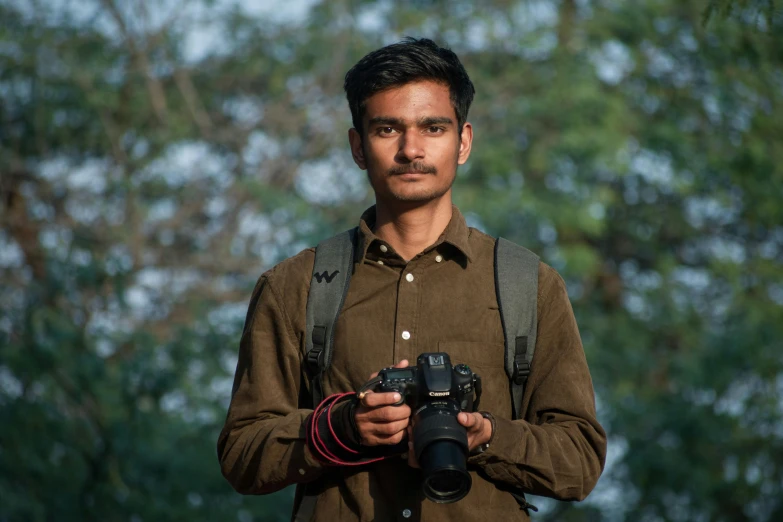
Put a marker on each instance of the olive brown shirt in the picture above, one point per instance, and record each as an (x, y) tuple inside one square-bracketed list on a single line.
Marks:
[(442, 300)]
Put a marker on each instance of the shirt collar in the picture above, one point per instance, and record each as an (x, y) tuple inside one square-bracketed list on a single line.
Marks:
[(455, 234)]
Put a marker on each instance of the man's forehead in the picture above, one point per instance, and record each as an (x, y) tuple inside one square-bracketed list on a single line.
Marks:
[(411, 102)]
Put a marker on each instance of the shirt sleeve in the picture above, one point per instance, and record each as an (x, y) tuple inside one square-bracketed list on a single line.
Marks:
[(559, 449), (262, 447)]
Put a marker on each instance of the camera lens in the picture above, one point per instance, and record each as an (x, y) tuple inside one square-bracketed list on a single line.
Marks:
[(441, 445), (445, 484), (445, 477)]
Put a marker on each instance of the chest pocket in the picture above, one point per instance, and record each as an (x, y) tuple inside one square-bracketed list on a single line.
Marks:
[(487, 360)]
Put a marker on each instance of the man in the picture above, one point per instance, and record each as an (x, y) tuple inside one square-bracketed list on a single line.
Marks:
[(423, 282)]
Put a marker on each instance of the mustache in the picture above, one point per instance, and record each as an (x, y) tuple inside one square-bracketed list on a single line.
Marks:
[(413, 168)]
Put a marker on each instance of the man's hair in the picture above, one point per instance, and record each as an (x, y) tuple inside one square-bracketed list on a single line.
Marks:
[(410, 60)]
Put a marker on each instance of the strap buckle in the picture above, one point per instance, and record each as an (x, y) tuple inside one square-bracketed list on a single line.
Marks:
[(314, 359), (521, 371), (521, 367)]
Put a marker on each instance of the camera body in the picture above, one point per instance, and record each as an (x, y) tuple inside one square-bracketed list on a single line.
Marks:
[(437, 393), (432, 379)]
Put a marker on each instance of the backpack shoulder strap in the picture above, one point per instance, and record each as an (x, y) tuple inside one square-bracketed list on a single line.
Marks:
[(331, 276), (516, 284)]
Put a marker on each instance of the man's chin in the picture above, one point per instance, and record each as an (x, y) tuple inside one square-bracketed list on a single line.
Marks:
[(417, 196)]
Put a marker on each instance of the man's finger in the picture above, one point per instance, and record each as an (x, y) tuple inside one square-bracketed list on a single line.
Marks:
[(469, 420), (387, 429), (374, 400), (384, 415), (388, 438)]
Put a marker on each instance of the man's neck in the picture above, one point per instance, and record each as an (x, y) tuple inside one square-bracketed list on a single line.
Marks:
[(409, 229)]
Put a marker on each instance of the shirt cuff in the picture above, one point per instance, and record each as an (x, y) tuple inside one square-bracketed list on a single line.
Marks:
[(505, 440)]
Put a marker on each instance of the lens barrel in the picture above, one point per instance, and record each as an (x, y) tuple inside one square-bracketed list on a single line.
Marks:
[(441, 445)]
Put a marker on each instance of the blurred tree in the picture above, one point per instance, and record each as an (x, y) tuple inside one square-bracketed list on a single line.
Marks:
[(142, 194), (743, 8), (155, 159)]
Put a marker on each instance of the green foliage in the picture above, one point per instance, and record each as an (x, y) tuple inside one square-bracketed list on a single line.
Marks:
[(144, 189)]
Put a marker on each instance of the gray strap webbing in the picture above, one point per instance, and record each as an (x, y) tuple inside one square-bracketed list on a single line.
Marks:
[(331, 276), (516, 285)]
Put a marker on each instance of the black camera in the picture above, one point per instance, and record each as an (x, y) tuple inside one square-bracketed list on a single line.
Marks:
[(437, 393)]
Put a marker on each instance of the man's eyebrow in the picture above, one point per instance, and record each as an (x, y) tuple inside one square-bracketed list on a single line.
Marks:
[(422, 122), (385, 120), (435, 120)]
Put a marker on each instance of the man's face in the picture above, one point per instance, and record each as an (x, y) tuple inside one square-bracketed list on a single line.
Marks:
[(411, 144)]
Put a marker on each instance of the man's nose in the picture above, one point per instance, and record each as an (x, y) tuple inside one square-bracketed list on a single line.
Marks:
[(411, 146)]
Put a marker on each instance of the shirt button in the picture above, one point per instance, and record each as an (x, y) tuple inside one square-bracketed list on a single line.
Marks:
[(406, 335), (409, 278), (438, 258), (384, 248), (380, 262), (301, 471), (406, 513)]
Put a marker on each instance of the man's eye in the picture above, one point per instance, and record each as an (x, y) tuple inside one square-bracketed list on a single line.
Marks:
[(435, 130), (385, 130)]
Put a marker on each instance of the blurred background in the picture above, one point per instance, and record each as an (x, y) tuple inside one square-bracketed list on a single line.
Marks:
[(157, 157)]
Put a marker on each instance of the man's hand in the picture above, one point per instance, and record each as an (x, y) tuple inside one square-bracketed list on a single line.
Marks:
[(377, 421), (479, 432), (479, 429)]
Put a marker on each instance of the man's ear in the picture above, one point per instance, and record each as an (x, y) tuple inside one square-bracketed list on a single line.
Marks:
[(357, 150), (465, 143)]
